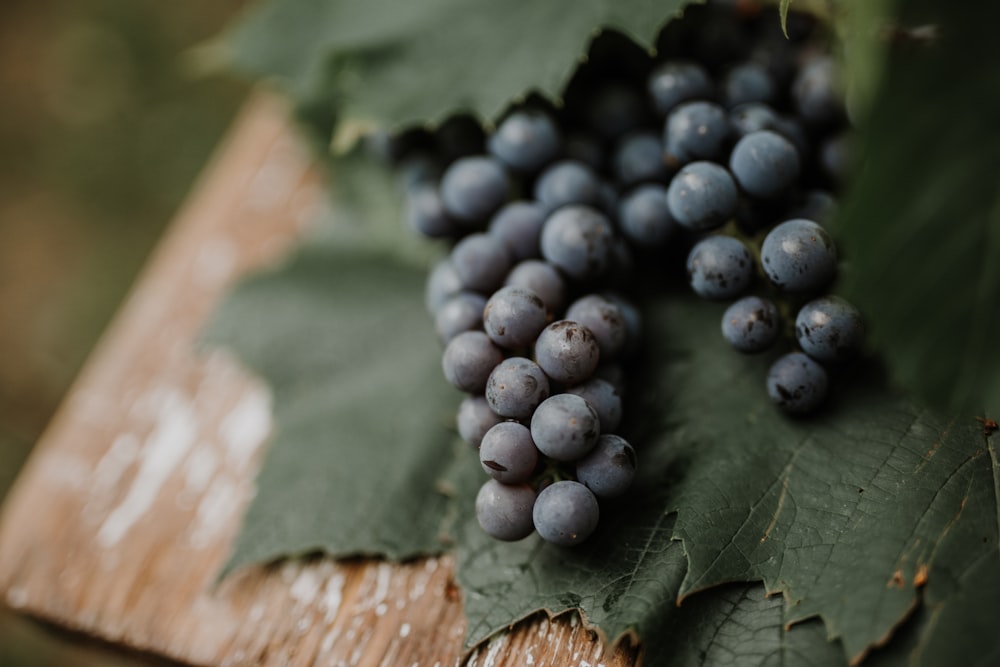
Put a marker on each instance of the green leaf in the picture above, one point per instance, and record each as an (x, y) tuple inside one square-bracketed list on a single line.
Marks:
[(921, 227), (783, 14), (405, 63)]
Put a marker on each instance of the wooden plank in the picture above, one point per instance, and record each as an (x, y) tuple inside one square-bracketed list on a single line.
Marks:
[(124, 515)]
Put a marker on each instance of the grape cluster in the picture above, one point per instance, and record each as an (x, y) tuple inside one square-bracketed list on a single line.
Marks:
[(728, 145)]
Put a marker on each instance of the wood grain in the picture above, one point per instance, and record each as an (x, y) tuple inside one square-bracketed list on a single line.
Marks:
[(124, 515)]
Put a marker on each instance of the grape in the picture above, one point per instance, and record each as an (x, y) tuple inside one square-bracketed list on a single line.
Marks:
[(514, 317), (473, 188), (461, 312), (796, 383), (468, 360), (508, 454), (638, 158), (526, 140), (799, 256), (516, 387), (604, 398), (765, 164), (835, 157), (818, 205), (568, 182), (747, 82), (566, 513), (702, 196), (417, 170), (719, 267), (674, 82), (578, 240), (751, 324), (644, 217), (481, 261), (695, 131), (605, 321), (475, 418), (518, 225), (505, 511), (633, 320), (425, 213), (541, 278), (816, 92), (442, 284), (829, 329), (565, 427), (615, 109), (752, 117), (567, 352), (608, 470)]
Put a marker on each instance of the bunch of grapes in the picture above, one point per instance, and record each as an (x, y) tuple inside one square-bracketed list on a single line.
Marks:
[(729, 143)]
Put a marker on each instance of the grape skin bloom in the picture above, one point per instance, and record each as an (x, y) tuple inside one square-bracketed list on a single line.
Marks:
[(799, 256), (566, 513), (505, 512), (565, 427)]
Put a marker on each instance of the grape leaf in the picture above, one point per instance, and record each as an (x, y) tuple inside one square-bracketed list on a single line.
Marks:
[(404, 63), (922, 225)]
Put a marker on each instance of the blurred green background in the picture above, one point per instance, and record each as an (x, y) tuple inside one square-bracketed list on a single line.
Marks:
[(103, 129)]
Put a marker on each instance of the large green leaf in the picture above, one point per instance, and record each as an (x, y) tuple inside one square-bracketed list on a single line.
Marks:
[(922, 225)]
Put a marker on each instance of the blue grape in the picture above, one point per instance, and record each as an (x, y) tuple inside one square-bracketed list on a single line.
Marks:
[(461, 312), (605, 321), (481, 261), (799, 256), (578, 240), (567, 352), (765, 164), (751, 324), (508, 454), (835, 157), (505, 511), (816, 92), (514, 317), (417, 170), (633, 320), (614, 110), (516, 387), (818, 205), (702, 196), (752, 117), (518, 225), (473, 188), (644, 217), (719, 267), (442, 283), (425, 213), (797, 383), (541, 278), (679, 81), (604, 398), (696, 131), (468, 360), (474, 419), (748, 82), (830, 329), (609, 468), (638, 158), (568, 182), (526, 140), (566, 513)]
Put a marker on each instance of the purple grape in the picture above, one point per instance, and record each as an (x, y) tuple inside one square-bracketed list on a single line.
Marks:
[(764, 164), (481, 261), (638, 158), (508, 454), (473, 188), (679, 81), (644, 217), (462, 312), (604, 398), (516, 387), (796, 383), (425, 214), (567, 182), (526, 140), (505, 512), (751, 324), (830, 329), (608, 470), (468, 360), (695, 131), (541, 278), (567, 352), (719, 267), (518, 225), (443, 283), (578, 240), (565, 427), (605, 321), (514, 317), (566, 513), (799, 256), (474, 419), (702, 196)]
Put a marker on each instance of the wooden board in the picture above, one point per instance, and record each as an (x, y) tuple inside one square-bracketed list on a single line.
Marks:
[(124, 515)]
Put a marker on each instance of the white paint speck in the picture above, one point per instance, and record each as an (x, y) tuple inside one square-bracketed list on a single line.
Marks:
[(246, 427), (214, 511), (404, 630), (215, 262), (333, 595), (305, 588), (381, 609), (17, 597)]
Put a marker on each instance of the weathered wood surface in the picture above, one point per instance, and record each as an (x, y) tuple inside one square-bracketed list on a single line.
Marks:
[(125, 513)]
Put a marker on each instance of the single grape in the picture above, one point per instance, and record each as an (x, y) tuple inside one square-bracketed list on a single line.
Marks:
[(567, 352), (765, 164), (835, 157), (609, 468), (752, 117), (748, 82), (508, 454), (541, 278), (695, 131), (473, 188), (567, 182), (638, 158), (633, 320), (702, 196), (516, 387), (514, 317), (474, 419), (468, 360), (796, 383), (816, 92), (605, 321), (751, 324), (566, 513), (518, 225), (425, 214), (443, 283), (461, 312), (604, 398), (799, 256), (830, 329), (719, 267), (578, 240), (818, 205), (505, 512), (614, 110), (481, 261), (565, 427), (526, 140), (644, 217), (679, 81)]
